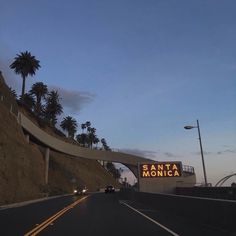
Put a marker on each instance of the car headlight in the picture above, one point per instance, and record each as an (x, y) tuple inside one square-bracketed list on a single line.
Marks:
[(75, 191), (84, 190)]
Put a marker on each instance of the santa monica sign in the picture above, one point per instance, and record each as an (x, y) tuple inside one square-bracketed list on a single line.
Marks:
[(160, 169)]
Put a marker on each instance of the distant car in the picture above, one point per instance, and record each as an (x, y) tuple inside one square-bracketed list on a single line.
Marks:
[(80, 190), (109, 189)]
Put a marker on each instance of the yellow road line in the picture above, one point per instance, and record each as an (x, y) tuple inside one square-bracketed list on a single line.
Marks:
[(49, 219), (47, 222)]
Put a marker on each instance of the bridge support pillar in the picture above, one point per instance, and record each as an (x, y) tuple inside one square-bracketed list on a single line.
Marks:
[(47, 153)]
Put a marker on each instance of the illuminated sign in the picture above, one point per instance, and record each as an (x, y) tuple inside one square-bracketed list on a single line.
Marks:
[(160, 169)]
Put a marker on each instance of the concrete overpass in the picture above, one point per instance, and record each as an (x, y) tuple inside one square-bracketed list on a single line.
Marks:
[(165, 184), (129, 160), (187, 179)]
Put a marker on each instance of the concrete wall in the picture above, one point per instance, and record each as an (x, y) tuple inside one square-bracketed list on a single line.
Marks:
[(215, 212), (161, 184), (166, 184)]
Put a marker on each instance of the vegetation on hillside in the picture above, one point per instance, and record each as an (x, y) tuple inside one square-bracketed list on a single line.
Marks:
[(46, 106)]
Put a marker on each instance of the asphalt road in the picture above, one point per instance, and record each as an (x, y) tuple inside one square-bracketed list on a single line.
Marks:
[(98, 214)]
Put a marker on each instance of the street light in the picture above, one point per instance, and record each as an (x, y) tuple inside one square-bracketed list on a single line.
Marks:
[(200, 141)]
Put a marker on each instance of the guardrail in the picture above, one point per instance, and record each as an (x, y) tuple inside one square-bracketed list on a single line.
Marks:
[(188, 169)]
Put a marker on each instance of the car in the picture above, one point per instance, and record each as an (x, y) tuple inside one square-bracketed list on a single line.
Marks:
[(80, 190), (109, 189)]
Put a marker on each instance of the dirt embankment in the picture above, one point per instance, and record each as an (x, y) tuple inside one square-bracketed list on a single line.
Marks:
[(22, 165), (66, 172)]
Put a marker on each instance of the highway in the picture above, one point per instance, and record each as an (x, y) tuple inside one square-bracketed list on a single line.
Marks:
[(96, 214)]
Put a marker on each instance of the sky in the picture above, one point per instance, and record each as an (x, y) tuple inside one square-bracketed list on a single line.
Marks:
[(138, 70)]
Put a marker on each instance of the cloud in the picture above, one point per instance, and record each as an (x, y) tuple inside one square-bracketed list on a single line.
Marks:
[(138, 152), (73, 101), (204, 153), (149, 154), (9, 75), (218, 153), (169, 154), (226, 151), (226, 146)]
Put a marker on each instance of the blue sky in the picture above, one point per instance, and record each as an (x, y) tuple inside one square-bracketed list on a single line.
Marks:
[(138, 70)]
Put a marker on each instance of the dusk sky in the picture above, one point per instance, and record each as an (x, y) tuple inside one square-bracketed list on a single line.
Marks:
[(139, 70)]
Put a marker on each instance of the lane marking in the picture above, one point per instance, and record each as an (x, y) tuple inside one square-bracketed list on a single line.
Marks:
[(51, 219), (153, 221), (147, 210)]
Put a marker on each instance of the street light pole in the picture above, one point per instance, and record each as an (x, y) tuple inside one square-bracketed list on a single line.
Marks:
[(203, 163), (200, 141)]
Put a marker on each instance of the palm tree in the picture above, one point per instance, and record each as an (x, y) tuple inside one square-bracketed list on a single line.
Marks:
[(82, 139), (28, 101), (83, 126), (13, 92), (104, 144), (39, 90), (112, 169), (93, 130), (25, 64), (53, 107), (70, 125), (96, 141), (88, 124), (91, 136)]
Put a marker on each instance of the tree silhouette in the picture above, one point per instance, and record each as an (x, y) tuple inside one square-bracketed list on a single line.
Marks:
[(104, 144), (83, 126), (111, 168), (91, 136), (39, 90), (53, 107), (70, 125), (25, 64), (13, 92), (82, 139), (28, 101)]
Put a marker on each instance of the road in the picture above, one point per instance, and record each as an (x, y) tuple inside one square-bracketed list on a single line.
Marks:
[(97, 214)]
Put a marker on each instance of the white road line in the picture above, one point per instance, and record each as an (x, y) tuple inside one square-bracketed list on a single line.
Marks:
[(147, 217), (147, 210)]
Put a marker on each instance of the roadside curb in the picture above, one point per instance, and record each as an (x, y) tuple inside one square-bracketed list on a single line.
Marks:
[(20, 204)]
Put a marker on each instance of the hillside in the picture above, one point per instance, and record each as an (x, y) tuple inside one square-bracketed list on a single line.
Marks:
[(22, 164)]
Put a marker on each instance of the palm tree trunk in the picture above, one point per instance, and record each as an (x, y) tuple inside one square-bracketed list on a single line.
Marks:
[(23, 87), (38, 103)]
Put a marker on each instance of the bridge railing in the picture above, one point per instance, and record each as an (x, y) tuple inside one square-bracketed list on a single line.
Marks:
[(188, 169)]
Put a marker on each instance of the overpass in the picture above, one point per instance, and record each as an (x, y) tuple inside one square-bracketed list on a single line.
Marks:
[(129, 160), (165, 184), (188, 177)]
